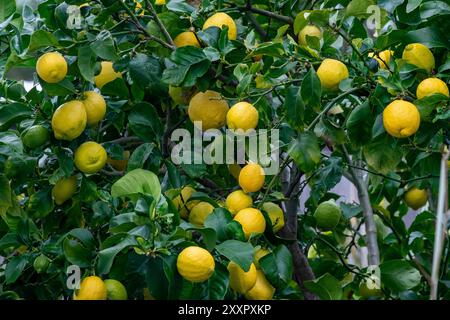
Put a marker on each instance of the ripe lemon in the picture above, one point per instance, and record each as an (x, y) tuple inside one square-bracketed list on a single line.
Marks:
[(241, 281), (234, 169), (331, 72), (276, 215), (242, 116), (120, 165), (208, 108), (35, 136), (182, 201), (431, 86), (107, 74), (416, 198), (220, 19), (383, 58), (51, 67), (327, 215), (199, 213), (115, 290), (90, 157), (238, 200), (262, 290), (95, 107), (261, 252), (69, 120), (64, 189), (401, 119), (251, 220), (195, 264), (419, 55), (186, 38), (160, 2), (41, 263), (91, 288), (311, 31), (251, 177)]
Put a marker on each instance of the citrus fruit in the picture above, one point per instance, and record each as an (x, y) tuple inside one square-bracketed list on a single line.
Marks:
[(327, 215), (331, 72), (208, 108), (383, 58), (91, 288), (311, 31), (115, 290), (181, 95), (160, 2), (186, 38), (431, 86), (90, 157), (370, 287), (107, 74), (251, 220), (69, 120), (195, 264), (200, 212), (276, 215), (251, 177), (234, 169), (182, 201), (262, 290), (401, 119), (64, 189), (41, 263), (219, 20), (419, 55), (241, 281), (238, 200), (261, 252), (35, 136), (95, 107), (119, 165), (242, 116), (51, 67), (416, 198)]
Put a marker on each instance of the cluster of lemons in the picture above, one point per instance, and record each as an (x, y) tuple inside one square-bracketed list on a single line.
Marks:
[(94, 288)]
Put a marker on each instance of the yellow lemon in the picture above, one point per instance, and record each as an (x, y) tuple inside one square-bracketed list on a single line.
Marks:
[(419, 55), (160, 2), (262, 290), (120, 165), (195, 264), (91, 288), (251, 177), (209, 109), (276, 215), (107, 74), (242, 116), (311, 31), (51, 67), (219, 20), (64, 189), (416, 198), (182, 201), (401, 119), (115, 290), (251, 220), (238, 200), (95, 107), (261, 252), (431, 86), (186, 38), (234, 169), (383, 58), (90, 157), (331, 72), (241, 281), (69, 120), (199, 213)]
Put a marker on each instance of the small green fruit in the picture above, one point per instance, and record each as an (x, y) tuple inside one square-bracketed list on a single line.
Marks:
[(41, 263), (327, 215)]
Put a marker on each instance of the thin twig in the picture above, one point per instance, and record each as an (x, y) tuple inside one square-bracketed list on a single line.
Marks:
[(159, 23)]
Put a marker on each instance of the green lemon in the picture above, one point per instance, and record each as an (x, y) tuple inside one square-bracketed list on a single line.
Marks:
[(327, 215), (35, 136), (115, 290), (41, 263)]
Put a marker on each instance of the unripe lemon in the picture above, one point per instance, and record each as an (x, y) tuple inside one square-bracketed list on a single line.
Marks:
[(241, 281), (209, 108), (107, 74), (186, 38), (220, 19), (64, 189), (242, 116), (115, 290), (35, 136), (262, 290), (251, 177), (260, 253), (95, 106), (119, 165), (401, 119), (182, 201), (383, 58), (90, 157), (251, 220), (419, 55), (238, 200), (91, 288), (181, 95), (327, 215), (41, 263), (195, 264), (311, 31), (51, 67), (431, 86), (276, 215), (416, 198), (199, 213), (234, 169), (331, 72), (69, 120)]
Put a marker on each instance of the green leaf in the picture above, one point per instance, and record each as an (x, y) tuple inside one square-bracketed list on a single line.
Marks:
[(412, 5), (15, 267), (383, 154), (434, 8), (13, 113), (311, 89), (138, 181), (103, 46), (218, 283), (358, 8), (10, 143), (41, 203), (294, 106), (277, 266), (359, 125), (117, 88), (140, 156), (305, 151), (88, 190), (430, 36), (399, 275), (145, 123), (62, 88), (41, 39), (7, 9), (76, 253), (218, 221), (271, 49), (180, 6), (86, 63), (145, 70), (106, 256), (326, 287), (327, 177), (239, 252)]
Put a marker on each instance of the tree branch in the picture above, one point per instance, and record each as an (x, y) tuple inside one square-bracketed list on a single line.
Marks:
[(160, 24)]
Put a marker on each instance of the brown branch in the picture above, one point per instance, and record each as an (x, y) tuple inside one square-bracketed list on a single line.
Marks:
[(160, 24)]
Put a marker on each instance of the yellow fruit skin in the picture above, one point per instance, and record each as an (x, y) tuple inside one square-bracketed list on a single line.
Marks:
[(251, 220), (95, 106), (91, 288), (186, 38), (51, 67), (64, 189), (331, 72), (90, 157), (416, 198), (262, 290), (120, 165), (238, 200), (401, 119), (431, 86), (195, 264), (182, 201), (251, 177), (160, 2), (243, 116), (262, 252), (276, 215), (311, 31), (420, 56), (241, 281), (199, 213), (220, 19), (69, 120), (106, 75), (383, 58), (209, 108)]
